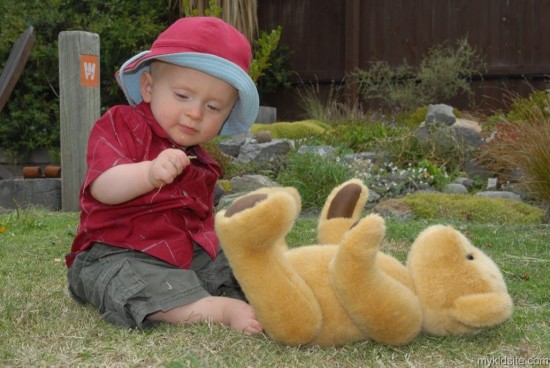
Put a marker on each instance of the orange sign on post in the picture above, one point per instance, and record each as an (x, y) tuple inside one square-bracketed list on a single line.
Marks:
[(89, 70)]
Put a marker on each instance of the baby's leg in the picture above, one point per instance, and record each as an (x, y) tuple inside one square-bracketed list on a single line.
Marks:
[(234, 313)]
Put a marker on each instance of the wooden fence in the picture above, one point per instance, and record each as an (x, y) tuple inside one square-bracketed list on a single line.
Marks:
[(331, 38)]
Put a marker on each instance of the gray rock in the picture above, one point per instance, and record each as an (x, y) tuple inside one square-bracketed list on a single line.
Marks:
[(231, 147), (374, 157), (474, 168), (323, 151), (394, 208), (492, 184), (455, 188), (467, 182), (248, 183), (264, 136), (373, 197), (260, 152), (440, 113)]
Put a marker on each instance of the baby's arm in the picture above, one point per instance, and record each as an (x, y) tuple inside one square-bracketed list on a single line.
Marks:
[(125, 182)]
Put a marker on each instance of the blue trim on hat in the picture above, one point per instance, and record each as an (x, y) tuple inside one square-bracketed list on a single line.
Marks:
[(246, 108)]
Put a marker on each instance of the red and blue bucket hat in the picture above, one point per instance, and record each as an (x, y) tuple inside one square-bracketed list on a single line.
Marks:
[(207, 44)]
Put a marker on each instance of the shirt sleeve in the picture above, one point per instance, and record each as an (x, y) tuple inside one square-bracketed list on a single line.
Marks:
[(114, 140)]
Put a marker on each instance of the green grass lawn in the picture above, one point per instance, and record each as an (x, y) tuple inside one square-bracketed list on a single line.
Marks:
[(40, 326)]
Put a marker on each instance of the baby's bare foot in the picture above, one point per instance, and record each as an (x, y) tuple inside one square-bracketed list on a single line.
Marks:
[(240, 316), (234, 313)]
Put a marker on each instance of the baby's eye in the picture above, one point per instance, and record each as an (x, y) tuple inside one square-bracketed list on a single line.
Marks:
[(182, 96), (212, 107)]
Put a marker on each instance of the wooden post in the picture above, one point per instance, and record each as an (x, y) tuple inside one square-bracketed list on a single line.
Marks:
[(79, 108)]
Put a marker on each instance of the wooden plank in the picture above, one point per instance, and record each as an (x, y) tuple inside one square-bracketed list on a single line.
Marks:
[(15, 64), (352, 47), (79, 108), (511, 35)]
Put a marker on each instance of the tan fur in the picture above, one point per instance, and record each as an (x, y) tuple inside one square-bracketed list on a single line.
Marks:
[(344, 289), (458, 295)]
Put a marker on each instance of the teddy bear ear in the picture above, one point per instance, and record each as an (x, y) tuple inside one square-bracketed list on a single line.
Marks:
[(244, 203), (437, 244), (344, 202)]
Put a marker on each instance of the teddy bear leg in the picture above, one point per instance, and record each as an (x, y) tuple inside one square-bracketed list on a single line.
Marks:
[(382, 307), (341, 210), (252, 233)]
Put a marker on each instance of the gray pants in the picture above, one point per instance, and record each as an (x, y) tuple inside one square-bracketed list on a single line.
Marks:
[(126, 286)]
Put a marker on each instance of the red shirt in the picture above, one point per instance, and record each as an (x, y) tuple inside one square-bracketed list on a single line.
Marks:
[(163, 223)]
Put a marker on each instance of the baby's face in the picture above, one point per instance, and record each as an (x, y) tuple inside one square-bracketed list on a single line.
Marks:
[(191, 106)]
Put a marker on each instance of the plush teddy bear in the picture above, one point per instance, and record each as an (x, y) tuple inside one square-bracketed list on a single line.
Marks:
[(344, 289)]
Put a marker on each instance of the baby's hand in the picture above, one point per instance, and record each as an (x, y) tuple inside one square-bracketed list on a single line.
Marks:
[(167, 166)]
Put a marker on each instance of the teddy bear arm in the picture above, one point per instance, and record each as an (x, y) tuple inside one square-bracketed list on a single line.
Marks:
[(482, 310)]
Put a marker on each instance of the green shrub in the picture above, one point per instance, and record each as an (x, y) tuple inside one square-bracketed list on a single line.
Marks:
[(535, 107), (406, 148), (443, 73), (292, 130), (361, 137), (30, 119), (313, 176), (415, 118), (276, 76), (459, 207)]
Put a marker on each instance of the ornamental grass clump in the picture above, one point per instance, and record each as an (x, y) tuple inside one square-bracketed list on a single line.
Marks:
[(520, 149)]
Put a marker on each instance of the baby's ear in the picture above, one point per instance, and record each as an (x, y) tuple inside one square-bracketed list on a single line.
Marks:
[(146, 86)]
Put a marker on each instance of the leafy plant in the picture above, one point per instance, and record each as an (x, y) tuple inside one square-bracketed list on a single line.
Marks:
[(415, 118), (442, 74), (30, 119), (406, 148), (313, 176), (264, 47), (213, 9), (277, 75), (362, 137)]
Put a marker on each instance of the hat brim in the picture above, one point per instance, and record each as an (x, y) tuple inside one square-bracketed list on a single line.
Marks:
[(246, 108)]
